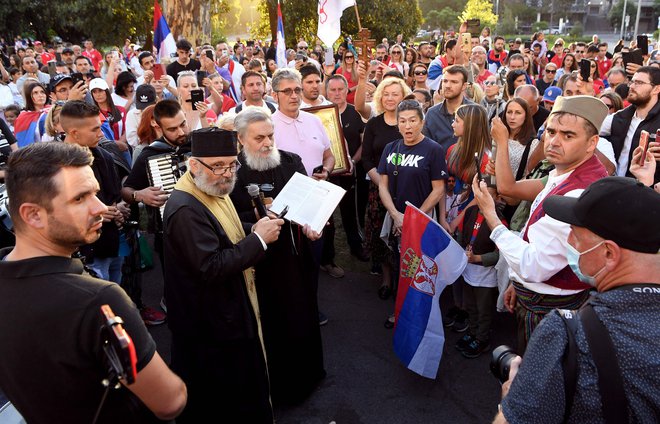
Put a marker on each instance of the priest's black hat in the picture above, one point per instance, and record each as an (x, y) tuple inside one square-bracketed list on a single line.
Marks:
[(213, 142)]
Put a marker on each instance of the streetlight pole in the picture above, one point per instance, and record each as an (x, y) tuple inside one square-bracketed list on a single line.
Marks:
[(623, 17), (639, 12)]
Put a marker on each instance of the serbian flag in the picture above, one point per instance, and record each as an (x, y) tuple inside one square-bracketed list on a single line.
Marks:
[(330, 12), (163, 39), (430, 260), (280, 53), (26, 126)]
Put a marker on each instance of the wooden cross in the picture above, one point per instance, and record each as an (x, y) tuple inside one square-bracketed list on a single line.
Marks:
[(365, 44)]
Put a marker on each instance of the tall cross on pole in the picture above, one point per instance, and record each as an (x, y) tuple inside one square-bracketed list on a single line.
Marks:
[(365, 43)]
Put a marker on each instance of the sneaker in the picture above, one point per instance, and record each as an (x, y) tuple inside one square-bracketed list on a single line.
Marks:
[(475, 348), (151, 316), (323, 320), (376, 269), (464, 342), (163, 305), (449, 319), (333, 270), (461, 322)]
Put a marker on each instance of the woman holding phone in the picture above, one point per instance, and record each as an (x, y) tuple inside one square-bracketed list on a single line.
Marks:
[(191, 99)]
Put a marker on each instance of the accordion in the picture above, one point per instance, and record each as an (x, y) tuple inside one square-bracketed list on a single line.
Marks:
[(164, 171)]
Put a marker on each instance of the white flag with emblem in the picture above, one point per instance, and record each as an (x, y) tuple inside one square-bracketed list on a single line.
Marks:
[(330, 12)]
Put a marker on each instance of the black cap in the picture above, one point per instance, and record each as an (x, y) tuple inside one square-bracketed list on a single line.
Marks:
[(58, 78), (145, 95), (67, 50), (213, 142), (615, 208)]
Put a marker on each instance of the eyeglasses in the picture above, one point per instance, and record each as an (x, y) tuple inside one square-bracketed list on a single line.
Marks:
[(420, 72), (221, 170), (490, 82), (264, 187), (638, 82), (289, 91), (396, 52), (550, 71)]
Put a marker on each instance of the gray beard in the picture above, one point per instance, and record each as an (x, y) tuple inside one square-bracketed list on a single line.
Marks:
[(259, 163), (202, 183)]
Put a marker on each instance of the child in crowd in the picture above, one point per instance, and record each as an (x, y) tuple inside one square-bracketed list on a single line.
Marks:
[(11, 113)]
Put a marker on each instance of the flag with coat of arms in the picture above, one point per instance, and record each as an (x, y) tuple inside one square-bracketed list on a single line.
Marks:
[(430, 260)]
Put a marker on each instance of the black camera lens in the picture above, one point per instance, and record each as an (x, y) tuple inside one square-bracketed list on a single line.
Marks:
[(500, 362)]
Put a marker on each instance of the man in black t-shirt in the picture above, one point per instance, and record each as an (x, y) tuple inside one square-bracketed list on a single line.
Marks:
[(183, 61), (50, 321)]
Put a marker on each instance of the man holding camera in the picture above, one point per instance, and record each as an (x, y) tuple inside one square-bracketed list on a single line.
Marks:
[(613, 343)]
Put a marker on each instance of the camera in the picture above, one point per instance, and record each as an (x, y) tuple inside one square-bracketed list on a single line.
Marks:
[(500, 362)]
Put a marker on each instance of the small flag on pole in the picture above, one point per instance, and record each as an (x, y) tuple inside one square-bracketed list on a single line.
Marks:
[(330, 12), (281, 44), (430, 260), (163, 39)]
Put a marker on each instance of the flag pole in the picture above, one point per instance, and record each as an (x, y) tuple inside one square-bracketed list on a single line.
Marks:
[(357, 15)]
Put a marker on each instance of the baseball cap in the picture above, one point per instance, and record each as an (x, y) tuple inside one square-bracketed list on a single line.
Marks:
[(67, 50), (145, 95), (551, 94), (587, 107), (58, 78), (37, 43), (98, 83), (615, 208)]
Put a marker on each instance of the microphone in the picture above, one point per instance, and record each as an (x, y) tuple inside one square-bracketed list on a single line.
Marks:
[(253, 191)]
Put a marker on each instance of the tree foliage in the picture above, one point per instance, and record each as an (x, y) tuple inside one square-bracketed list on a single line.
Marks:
[(444, 19), (480, 9), (506, 25), (384, 18), (616, 13)]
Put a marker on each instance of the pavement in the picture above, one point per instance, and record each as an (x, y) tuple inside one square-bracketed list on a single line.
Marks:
[(366, 382)]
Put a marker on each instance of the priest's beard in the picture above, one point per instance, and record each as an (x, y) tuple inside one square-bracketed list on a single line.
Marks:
[(260, 163), (218, 188)]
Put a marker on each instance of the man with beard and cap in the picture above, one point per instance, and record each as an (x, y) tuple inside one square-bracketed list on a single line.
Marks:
[(542, 278), (623, 128), (217, 344), (285, 277)]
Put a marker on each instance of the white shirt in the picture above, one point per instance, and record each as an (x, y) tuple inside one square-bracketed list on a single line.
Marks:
[(132, 123), (324, 102), (480, 276), (606, 130), (531, 263), (6, 96)]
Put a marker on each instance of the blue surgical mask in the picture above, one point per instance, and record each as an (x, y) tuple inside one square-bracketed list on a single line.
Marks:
[(573, 257)]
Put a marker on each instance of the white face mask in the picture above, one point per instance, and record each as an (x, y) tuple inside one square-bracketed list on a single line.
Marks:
[(573, 257)]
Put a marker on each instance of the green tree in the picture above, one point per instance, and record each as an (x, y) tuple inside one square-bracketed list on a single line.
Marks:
[(506, 25), (480, 9), (616, 13)]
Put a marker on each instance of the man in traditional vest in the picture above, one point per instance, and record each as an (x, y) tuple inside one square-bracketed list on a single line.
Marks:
[(217, 343), (538, 268)]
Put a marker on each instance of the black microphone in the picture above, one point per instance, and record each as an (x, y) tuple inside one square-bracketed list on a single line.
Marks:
[(253, 191)]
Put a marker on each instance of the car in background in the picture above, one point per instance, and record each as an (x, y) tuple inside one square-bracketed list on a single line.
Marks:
[(422, 33)]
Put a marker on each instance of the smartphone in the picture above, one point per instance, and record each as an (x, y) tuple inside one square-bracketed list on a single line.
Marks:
[(115, 54), (317, 170), (76, 77), (200, 76), (643, 44), (473, 26), (585, 69), (477, 163), (644, 144), (196, 96), (158, 71), (118, 346), (283, 213), (209, 54), (466, 42), (52, 68), (329, 57), (175, 54)]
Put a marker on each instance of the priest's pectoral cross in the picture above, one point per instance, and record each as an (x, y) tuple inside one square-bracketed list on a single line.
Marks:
[(365, 44)]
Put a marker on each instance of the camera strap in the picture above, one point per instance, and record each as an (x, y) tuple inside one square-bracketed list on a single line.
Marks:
[(610, 381)]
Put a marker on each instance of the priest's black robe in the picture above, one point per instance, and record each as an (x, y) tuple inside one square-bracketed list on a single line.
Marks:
[(287, 285)]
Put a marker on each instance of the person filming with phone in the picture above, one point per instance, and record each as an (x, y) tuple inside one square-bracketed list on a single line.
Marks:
[(50, 321)]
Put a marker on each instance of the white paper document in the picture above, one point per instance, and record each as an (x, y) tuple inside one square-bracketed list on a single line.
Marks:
[(310, 201)]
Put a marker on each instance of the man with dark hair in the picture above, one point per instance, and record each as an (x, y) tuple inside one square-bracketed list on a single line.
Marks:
[(253, 89), (437, 125), (147, 63), (381, 53), (183, 61), (93, 55), (51, 310), (82, 125), (312, 87), (31, 70), (497, 55), (217, 342), (623, 128), (604, 62), (426, 52), (609, 380), (580, 50), (453, 55), (592, 52), (83, 65)]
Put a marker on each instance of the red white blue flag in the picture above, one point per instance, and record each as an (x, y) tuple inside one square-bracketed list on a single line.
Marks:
[(280, 53), (163, 39), (430, 260)]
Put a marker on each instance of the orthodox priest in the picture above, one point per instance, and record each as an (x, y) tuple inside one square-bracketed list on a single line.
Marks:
[(286, 278), (217, 344)]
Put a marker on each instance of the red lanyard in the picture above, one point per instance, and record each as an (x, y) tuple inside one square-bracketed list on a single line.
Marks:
[(475, 229)]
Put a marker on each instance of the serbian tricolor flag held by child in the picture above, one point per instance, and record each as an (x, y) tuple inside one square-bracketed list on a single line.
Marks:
[(430, 260)]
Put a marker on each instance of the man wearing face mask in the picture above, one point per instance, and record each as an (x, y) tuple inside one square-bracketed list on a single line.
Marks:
[(542, 278), (621, 261)]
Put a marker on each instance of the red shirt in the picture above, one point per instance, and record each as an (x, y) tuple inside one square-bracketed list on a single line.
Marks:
[(95, 57), (483, 77), (603, 66), (46, 57)]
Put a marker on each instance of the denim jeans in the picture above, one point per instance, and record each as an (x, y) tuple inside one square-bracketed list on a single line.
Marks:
[(108, 269)]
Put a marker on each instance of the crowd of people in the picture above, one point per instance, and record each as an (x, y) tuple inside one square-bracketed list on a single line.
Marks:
[(500, 141)]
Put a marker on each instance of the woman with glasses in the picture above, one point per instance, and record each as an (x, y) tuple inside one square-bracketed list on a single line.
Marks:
[(397, 61), (30, 124), (492, 101), (348, 68), (612, 100), (421, 184), (379, 131), (419, 74), (568, 65)]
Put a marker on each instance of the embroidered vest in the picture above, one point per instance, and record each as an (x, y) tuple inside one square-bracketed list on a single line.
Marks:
[(580, 178)]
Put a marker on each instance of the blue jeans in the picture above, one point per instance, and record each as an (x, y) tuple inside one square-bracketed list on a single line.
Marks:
[(108, 269)]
